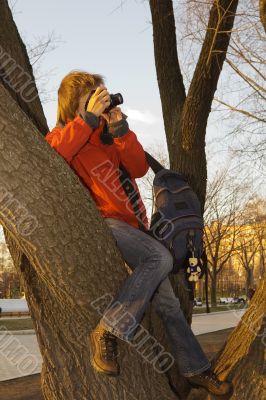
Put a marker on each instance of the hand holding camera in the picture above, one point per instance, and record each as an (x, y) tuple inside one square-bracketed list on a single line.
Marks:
[(101, 101), (113, 115), (98, 101)]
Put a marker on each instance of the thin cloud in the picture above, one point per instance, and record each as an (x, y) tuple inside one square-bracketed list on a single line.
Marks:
[(145, 117)]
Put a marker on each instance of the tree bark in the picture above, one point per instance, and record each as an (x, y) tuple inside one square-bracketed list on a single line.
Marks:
[(243, 358), (16, 71), (213, 289), (170, 80), (249, 279), (262, 5)]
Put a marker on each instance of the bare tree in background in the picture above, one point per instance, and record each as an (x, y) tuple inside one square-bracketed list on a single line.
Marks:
[(222, 209), (246, 252), (254, 220), (37, 52), (224, 205), (240, 101)]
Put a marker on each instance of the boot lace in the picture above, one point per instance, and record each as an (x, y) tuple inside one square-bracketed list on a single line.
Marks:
[(213, 378), (109, 346)]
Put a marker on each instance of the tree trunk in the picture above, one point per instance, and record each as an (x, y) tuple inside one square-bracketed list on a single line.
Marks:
[(15, 70), (213, 289), (249, 279), (243, 358), (263, 13)]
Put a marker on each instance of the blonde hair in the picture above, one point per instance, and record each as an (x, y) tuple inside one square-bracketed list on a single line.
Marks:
[(74, 85)]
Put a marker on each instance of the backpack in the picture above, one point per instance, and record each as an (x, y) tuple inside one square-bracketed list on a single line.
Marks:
[(177, 221)]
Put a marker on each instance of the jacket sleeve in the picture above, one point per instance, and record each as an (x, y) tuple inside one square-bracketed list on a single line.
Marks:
[(132, 154), (67, 141)]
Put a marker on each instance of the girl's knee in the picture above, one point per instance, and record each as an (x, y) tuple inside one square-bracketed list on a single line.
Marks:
[(166, 258)]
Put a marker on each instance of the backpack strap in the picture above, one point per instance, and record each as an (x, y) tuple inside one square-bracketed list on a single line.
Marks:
[(154, 164), (132, 194)]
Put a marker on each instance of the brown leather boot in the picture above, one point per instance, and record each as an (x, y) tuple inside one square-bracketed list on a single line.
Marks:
[(208, 380), (103, 351)]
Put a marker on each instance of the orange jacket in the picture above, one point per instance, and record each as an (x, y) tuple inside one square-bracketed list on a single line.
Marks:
[(97, 163)]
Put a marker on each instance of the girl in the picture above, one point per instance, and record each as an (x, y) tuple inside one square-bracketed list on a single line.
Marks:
[(95, 144)]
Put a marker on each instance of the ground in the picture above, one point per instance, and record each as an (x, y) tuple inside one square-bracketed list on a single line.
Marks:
[(28, 388)]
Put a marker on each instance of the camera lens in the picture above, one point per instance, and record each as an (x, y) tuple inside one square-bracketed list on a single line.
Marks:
[(116, 100)]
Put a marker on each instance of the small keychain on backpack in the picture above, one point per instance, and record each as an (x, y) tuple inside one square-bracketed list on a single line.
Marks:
[(194, 269)]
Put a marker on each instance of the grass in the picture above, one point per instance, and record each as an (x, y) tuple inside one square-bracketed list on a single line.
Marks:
[(16, 324)]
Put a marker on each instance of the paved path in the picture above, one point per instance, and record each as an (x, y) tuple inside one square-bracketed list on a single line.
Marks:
[(204, 323), (20, 355)]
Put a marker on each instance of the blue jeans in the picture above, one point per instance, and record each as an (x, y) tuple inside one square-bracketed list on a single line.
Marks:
[(150, 262)]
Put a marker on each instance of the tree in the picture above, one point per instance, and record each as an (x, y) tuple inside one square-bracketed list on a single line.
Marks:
[(245, 109), (248, 247), (223, 208), (9, 285), (253, 238)]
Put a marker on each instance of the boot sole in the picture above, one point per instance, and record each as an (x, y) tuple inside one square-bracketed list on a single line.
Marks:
[(220, 396), (95, 365)]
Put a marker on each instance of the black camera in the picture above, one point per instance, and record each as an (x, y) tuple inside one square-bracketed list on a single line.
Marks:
[(116, 99)]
